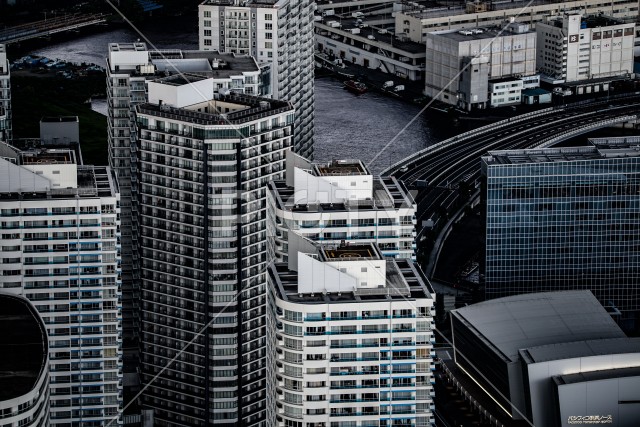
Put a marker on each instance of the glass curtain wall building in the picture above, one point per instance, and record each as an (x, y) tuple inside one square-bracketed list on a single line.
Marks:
[(564, 218)]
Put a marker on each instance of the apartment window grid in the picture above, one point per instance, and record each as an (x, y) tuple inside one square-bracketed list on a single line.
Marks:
[(565, 225), (173, 195), (68, 268), (395, 362)]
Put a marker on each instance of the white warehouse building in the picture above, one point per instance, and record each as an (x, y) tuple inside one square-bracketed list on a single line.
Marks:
[(353, 338), (461, 64), (341, 201), (574, 47)]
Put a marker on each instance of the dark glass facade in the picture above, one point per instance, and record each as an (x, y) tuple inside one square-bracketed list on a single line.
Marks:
[(559, 219)]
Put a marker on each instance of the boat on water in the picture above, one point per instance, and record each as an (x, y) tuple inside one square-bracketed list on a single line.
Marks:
[(355, 87)]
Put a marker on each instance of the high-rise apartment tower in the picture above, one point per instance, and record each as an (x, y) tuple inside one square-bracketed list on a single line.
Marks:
[(60, 249), (203, 163), (279, 34)]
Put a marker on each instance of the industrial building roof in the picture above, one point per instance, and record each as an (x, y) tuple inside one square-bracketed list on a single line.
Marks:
[(570, 350), (23, 347), (479, 33), (530, 320)]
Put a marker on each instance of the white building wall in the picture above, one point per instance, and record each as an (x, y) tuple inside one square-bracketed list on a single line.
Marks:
[(572, 53), (309, 188), (540, 383), (64, 256), (280, 37), (183, 95), (60, 175), (354, 363)]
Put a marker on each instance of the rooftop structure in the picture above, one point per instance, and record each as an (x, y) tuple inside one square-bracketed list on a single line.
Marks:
[(340, 201), (341, 167), (24, 363), (60, 130)]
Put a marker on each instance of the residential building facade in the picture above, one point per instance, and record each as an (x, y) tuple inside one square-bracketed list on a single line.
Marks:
[(574, 47), (279, 34), (129, 67), (203, 168), (564, 218), (353, 338), (341, 201), (60, 249), (5, 96), (461, 64), (24, 374)]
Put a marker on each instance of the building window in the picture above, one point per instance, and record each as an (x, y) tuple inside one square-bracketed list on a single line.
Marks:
[(268, 26), (207, 23), (268, 17), (268, 45), (268, 36), (207, 42), (207, 14), (207, 33)]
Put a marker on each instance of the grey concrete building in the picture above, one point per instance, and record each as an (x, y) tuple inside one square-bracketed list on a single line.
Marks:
[(460, 64)]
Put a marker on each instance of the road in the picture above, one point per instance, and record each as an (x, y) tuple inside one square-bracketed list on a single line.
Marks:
[(437, 172)]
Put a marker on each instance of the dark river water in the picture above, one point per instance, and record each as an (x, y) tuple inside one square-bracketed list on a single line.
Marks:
[(346, 126)]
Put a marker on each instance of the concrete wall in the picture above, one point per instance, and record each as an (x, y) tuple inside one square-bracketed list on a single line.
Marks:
[(540, 383), (330, 189), (61, 132), (600, 401)]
